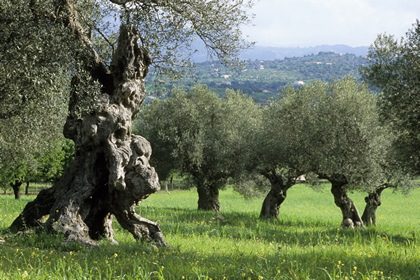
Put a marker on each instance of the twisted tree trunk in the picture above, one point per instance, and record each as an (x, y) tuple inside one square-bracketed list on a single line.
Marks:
[(110, 174), (351, 216), (277, 194), (373, 201)]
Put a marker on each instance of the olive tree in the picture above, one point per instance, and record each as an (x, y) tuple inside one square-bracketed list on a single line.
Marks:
[(201, 136), (278, 143), (394, 70), (111, 173), (353, 143), (331, 130), (14, 174)]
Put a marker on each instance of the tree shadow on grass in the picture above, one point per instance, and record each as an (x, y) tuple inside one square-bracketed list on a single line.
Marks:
[(302, 249)]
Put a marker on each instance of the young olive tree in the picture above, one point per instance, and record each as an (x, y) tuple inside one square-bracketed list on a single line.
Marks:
[(111, 173), (201, 136), (14, 174)]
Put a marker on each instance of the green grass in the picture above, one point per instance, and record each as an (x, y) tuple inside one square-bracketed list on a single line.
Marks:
[(305, 243)]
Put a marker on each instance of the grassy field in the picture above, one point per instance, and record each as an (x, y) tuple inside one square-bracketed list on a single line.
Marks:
[(305, 243)]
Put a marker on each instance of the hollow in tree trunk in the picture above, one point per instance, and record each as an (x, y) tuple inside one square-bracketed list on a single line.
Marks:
[(277, 194), (110, 174), (351, 216), (373, 201)]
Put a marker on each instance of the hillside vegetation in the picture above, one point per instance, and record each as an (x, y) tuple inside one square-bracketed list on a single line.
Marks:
[(263, 79)]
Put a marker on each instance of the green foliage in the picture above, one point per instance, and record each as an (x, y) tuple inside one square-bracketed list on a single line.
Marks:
[(53, 162), (29, 39), (326, 129), (394, 69), (306, 244), (199, 134), (168, 29), (46, 165), (44, 43), (35, 59)]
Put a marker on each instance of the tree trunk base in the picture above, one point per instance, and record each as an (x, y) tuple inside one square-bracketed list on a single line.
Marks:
[(351, 216), (373, 201), (271, 205), (82, 208), (208, 198), (277, 194)]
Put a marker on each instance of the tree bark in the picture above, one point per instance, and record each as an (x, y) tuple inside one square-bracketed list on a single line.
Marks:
[(110, 174), (373, 201), (16, 188), (208, 197), (351, 216), (277, 194)]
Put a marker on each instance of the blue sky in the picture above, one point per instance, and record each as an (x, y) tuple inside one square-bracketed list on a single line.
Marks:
[(304, 23)]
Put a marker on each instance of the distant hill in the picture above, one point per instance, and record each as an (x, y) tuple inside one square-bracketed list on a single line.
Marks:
[(273, 53), (263, 79)]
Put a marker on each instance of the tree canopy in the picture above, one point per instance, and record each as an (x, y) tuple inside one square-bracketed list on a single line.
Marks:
[(394, 69), (327, 128), (34, 62)]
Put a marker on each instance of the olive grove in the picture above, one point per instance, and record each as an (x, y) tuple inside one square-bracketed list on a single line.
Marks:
[(322, 131)]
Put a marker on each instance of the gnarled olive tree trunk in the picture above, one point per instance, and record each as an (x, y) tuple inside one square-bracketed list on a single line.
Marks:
[(373, 201), (110, 174), (277, 194), (351, 216)]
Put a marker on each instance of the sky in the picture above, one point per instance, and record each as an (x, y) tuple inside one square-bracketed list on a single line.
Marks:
[(305, 23)]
